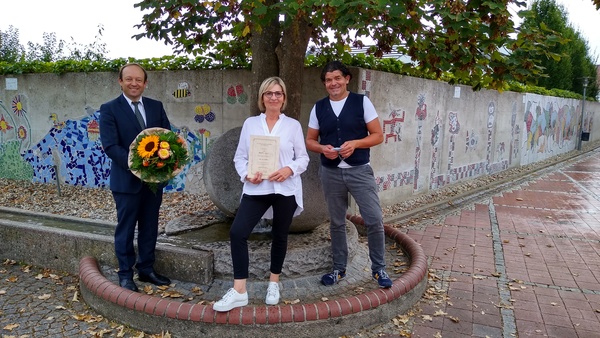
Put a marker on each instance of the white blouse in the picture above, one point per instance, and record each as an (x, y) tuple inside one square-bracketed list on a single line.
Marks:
[(292, 153)]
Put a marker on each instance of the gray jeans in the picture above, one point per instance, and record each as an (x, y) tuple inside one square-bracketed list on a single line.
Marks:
[(360, 183)]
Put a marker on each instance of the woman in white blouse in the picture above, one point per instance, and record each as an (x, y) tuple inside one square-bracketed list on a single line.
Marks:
[(277, 195)]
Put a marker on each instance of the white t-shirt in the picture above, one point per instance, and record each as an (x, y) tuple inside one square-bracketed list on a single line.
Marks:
[(370, 114)]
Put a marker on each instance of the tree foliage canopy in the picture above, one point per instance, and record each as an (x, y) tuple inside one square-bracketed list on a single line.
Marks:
[(470, 42), (11, 49), (473, 40), (575, 62), (52, 49)]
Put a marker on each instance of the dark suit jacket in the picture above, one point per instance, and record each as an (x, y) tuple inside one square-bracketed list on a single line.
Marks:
[(118, 128)]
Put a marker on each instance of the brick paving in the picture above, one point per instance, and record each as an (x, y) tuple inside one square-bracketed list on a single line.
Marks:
[(521, 263), (35, 302), (524, 263)]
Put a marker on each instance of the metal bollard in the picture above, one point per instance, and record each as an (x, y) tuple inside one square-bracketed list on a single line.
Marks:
[(57, 180), (56, 160)]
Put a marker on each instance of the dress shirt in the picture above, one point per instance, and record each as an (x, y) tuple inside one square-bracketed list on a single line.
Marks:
[(292, 153)]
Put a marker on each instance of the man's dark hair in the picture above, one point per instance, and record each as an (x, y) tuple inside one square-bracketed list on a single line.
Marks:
[(333, 66)]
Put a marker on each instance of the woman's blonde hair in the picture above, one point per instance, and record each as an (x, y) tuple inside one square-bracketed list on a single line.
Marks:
[(268, 83)]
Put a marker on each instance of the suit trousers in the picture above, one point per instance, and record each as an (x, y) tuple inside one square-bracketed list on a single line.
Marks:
[(141, 209)]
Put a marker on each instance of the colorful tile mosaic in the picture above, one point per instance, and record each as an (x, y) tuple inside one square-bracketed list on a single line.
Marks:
[(74, 153)]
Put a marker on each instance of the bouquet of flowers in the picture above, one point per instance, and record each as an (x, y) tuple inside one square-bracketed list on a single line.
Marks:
[(157, 155)]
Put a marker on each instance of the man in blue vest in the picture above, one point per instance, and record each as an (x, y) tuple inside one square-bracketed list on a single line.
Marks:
[(342, 128)]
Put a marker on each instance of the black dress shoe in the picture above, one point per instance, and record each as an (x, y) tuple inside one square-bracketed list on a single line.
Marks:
[(128, 284), (154, 278)]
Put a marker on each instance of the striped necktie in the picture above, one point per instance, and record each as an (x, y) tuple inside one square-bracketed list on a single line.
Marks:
[(138, 114)]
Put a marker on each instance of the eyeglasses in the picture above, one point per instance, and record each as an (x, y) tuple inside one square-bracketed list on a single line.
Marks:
[(270, 94)]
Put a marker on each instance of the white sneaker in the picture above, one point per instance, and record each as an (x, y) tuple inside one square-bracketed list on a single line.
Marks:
[(230, 300), (272, 294)]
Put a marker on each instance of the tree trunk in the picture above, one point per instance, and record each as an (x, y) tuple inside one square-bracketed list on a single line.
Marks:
[(291, 53), (264, 59)]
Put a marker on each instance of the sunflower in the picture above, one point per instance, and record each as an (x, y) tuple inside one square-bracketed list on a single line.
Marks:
[(148, 146)]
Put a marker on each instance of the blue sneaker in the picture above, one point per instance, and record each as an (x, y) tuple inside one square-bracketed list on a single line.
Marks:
[(383, 279), (333, 278)]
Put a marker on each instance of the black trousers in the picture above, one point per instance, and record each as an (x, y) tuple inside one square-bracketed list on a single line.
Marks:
[(251, 210), (141, 209)]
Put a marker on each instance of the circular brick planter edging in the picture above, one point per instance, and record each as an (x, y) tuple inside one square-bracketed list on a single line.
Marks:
[(170, 314)]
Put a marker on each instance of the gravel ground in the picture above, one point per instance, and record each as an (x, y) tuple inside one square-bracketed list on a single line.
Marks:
[(98, 204), (92, 203)]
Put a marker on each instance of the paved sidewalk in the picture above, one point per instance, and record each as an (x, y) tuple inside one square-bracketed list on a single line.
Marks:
[(526, 263), (522, 263)]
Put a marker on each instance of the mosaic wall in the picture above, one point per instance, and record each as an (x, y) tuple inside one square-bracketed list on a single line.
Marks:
[(71, 150), (549, 127), (448, 145), (392, 125), (545, 127), (15, 136)]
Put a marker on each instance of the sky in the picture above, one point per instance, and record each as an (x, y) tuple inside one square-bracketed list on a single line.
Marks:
[(80, 19), (584, 17)]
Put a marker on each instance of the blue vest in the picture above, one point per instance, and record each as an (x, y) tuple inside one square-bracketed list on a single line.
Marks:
[(336, 130)]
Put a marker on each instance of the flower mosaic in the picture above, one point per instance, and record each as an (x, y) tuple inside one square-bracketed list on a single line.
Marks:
[(236, 94)]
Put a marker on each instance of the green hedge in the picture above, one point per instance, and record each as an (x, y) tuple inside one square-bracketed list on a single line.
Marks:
[(202, 63)]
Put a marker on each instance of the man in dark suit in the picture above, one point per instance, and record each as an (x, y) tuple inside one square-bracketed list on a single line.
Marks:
[(135, 202)]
